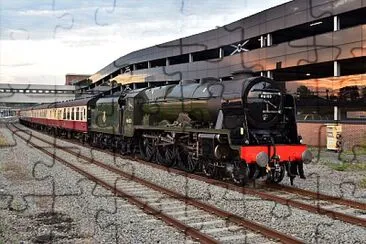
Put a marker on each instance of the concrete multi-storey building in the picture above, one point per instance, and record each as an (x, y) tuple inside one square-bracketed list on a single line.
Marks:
[(316, 50)]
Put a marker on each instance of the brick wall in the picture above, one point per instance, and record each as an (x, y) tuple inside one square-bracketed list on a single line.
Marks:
[(353, 135), (314, 134)]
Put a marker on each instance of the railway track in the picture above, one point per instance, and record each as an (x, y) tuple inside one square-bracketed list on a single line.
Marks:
[(202, 222), (346, 210)]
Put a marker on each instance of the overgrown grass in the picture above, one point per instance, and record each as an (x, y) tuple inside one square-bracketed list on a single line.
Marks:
[(14, 171), (348, 167), (3, 141), (358, 150), (362, 183)]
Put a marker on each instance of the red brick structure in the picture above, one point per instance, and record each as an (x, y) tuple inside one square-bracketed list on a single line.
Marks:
[(71, 79), (314, 134)]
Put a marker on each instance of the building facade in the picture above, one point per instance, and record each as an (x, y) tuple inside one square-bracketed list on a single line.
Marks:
[(315, 49), (72, 79)]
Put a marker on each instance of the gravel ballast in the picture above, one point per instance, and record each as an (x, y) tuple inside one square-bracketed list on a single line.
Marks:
[(299, 223), (74, 211)]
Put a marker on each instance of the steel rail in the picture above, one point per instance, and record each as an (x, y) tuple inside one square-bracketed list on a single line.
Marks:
[(194, 233), (321, 196), (282, 200), (315, 195), (255, 227), (263, 195)]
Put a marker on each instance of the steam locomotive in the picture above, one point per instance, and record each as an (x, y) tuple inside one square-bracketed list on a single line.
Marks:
[(241, 129)]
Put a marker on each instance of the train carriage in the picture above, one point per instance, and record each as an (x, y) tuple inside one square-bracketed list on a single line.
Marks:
[(69, 117)]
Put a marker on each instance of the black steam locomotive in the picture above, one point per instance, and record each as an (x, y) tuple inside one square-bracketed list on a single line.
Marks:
[(241, 129)]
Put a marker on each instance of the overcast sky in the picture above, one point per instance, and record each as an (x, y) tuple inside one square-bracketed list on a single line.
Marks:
[(42, 40)]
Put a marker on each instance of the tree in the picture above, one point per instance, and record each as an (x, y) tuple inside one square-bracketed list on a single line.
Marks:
[(304, 91), (349, 93), (363, 92)]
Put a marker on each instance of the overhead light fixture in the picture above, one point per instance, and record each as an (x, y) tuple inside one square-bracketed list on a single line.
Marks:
[(307, 74), (316, 23)]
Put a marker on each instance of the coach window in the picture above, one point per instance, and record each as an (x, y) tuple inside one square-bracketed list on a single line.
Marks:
[(77, 114), (67, 113), (72, 113), (84, 113), (81, 113)]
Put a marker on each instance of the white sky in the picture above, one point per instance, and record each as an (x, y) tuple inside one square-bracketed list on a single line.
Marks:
[(42, 40)]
